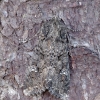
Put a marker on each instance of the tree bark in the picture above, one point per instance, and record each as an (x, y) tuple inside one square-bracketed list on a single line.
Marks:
[(20, 22)]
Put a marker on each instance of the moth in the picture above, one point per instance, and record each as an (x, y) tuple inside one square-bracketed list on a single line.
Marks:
[(51, 62)]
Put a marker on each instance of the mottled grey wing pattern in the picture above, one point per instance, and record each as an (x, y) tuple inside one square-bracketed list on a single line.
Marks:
[(51, 67)]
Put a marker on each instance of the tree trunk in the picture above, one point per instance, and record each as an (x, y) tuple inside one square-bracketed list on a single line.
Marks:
[(20, 23)]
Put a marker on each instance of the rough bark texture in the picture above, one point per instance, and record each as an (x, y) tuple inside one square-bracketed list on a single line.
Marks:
[(20, 22)]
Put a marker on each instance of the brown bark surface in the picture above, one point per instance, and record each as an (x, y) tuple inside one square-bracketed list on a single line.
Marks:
[(20, 21)]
